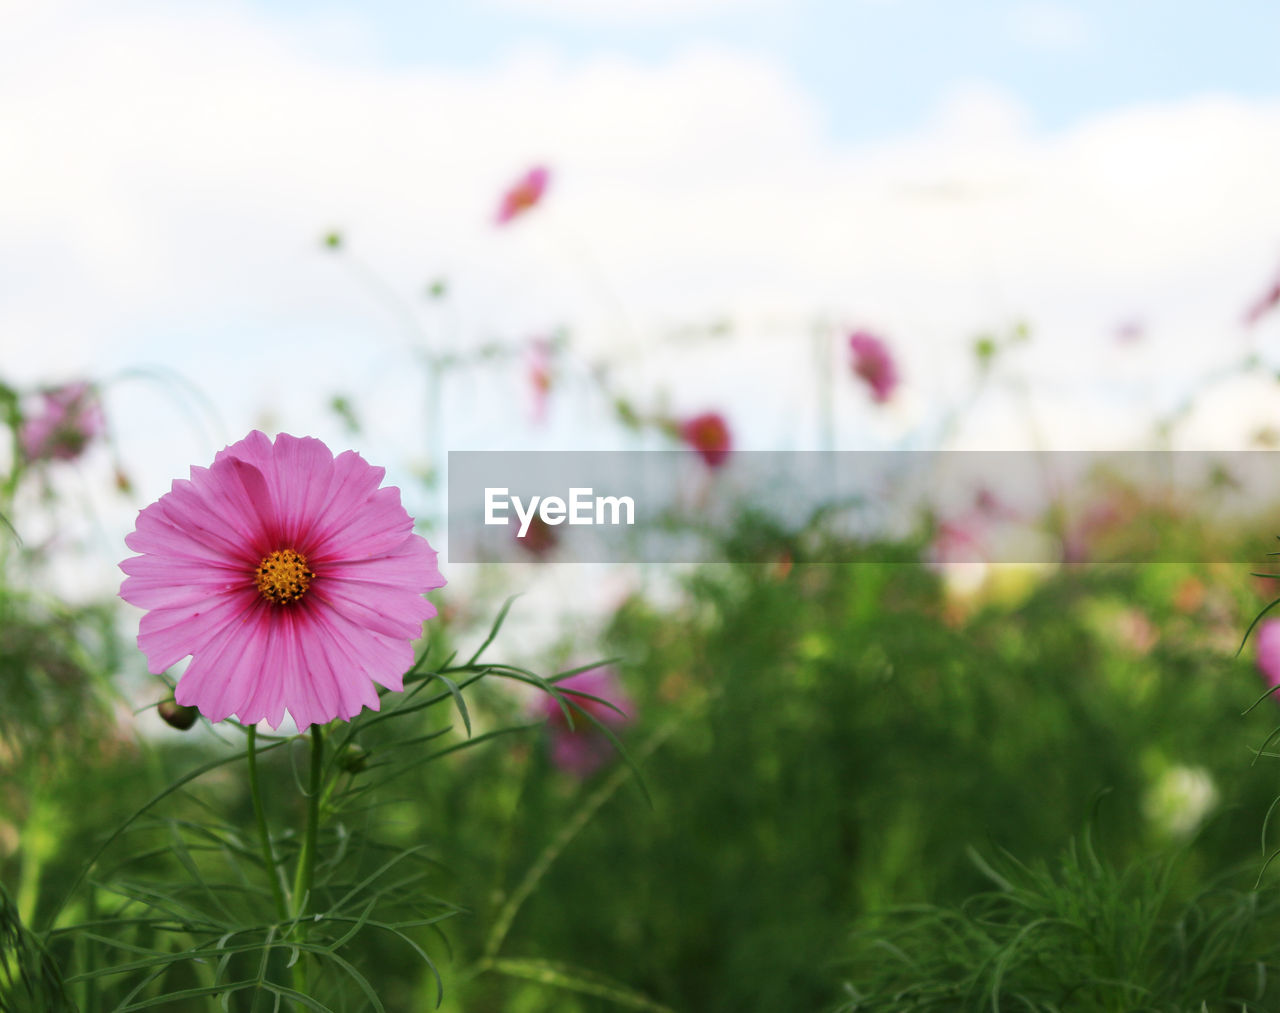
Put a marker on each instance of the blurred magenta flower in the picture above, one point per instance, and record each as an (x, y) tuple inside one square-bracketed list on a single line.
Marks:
[(1085, 536), (1130, 331), (523, 195), (966, 536), (989, 506), (708, 434), (540, 538), (288, 576), (958, 541), (583, 749), (69, 419), (1268, 301), (873, 364), (1268, 655), (539, 372)]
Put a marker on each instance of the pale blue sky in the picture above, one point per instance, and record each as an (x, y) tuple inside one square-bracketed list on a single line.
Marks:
[(876, 67)]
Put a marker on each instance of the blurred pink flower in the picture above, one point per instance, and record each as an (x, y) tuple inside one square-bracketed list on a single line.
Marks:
[(539, 373), (70, 417), (1135, 632), (1130, 331), (1268, 656), (873, 363), (291, 580), (583, 749), (524, 194), (989, 506), (540, 538), (965, 537), (1081, 540), (959, 541), (1269, 301), (708, 434)]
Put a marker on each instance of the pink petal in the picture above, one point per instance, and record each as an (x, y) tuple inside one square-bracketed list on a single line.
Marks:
[(354, 484), (166, 636), (302, 474), (1268, 648), (402, 618), (342, 688), (217, 676), (383, 659), (415, 570)]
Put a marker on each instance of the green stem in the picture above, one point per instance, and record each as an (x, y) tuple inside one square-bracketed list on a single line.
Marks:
[(570, 829), (306, 872), (305, 875), (268, 855)]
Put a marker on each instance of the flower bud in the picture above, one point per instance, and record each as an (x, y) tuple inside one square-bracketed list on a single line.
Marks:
[(177, 716), (353, 758)]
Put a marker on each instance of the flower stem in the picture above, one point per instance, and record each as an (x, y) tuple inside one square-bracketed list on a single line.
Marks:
[(305, 875), (268, 855)]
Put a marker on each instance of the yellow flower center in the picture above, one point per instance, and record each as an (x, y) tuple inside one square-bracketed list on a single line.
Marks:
[(283, 576)]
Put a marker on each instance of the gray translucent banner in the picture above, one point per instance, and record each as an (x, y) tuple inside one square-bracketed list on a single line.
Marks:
[(959, 507)]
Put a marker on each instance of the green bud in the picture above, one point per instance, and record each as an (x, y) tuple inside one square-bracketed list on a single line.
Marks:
[(353, 758)]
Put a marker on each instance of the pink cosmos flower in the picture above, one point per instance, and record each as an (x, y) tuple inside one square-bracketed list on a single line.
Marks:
[(1264, 305), (69, 418), (524, 194), (583, 749), (873, 363), (708, 434), (291, 580), (1268, 658)]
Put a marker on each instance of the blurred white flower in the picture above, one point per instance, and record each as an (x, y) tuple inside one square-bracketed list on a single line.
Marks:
[(1180, 798)]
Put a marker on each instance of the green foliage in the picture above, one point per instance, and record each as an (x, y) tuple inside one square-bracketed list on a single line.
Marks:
[(822, 750), (836, 739), (184, 903), (54, 665), (29, 980), (1075, 934)]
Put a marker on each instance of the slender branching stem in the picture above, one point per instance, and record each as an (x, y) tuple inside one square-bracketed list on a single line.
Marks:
[(305, 876), (259, 814)]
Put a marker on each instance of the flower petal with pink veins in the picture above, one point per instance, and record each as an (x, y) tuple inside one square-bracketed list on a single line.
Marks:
[(355, 485), (309, 466), (371, 652), (393, 572), (167, 636), (406, 621)]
